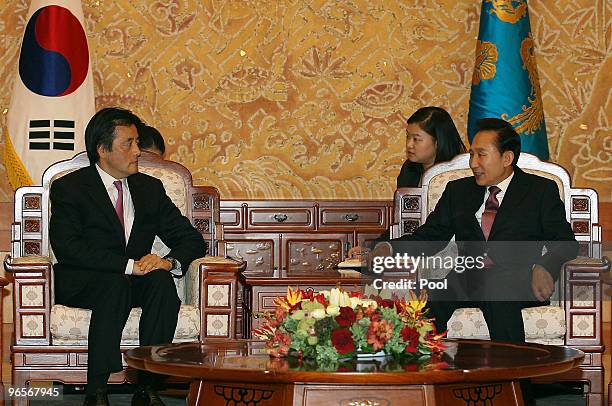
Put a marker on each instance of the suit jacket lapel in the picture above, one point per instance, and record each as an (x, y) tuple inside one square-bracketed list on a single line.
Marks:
[(517, 190), (99, 195)]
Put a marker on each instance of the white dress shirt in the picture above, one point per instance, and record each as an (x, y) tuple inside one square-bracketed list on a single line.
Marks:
[(128, 207), (503, 186)]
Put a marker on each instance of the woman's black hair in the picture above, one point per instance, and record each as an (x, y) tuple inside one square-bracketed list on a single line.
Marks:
[(436, 122)]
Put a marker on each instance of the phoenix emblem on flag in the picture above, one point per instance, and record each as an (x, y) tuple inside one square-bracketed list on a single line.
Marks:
[(509, 11), (530, 119)]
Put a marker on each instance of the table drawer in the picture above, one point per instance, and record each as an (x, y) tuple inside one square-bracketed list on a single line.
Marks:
[(374, 217), (349, 395), (300, 218), (230, 218)]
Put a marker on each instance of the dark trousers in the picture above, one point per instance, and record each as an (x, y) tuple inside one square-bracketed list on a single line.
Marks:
[(110, 297)]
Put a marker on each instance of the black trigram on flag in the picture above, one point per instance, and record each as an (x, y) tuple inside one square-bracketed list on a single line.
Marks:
[(43, 135)]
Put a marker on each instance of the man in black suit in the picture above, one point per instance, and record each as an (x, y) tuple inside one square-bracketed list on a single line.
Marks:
[(104, 218), (507, 215)]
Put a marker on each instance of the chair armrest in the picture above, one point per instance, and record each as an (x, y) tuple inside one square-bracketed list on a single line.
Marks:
[(583, 302), (218, 281), (19, 264), (194, 275), (31, 298), (586, 264)]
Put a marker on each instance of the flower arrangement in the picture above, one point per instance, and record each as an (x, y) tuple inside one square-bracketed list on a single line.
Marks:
[(336, 324)]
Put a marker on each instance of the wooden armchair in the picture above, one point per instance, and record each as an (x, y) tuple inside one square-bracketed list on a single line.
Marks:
[(574, 317), (50, 342)]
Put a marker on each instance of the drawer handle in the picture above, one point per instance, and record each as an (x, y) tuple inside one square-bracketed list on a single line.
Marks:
[(351, 216), (280, 217), (364, 403)]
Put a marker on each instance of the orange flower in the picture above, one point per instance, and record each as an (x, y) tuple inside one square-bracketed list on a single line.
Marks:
[(379, 332)]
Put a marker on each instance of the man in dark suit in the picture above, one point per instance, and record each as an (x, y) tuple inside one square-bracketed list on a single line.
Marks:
[(104, 218), (506, 217)]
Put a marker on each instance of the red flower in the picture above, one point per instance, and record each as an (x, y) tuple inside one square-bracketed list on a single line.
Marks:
[(411, 337), (307, 294), (320, 298), (279, 316), (388, 303), (342, 340), (347, 317)]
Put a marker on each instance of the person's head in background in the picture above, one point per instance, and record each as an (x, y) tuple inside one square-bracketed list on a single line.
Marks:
[(149, 139), (431, 137)]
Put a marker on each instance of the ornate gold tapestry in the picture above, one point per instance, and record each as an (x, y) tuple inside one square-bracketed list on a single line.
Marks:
[(308, 99)]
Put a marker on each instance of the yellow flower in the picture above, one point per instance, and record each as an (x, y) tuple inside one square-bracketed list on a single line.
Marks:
[(414, 305), (293, 298)]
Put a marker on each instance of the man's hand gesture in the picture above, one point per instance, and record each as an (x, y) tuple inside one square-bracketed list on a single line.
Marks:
[(149, 263)]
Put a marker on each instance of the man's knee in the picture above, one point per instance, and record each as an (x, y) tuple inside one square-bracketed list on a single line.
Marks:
[(110, 290), (161, 283), (160, 278)]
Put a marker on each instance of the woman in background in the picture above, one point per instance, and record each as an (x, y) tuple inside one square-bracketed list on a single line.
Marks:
[(431, 137)]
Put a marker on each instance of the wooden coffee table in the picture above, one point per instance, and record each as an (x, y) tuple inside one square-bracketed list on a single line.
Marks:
[(240, 372)]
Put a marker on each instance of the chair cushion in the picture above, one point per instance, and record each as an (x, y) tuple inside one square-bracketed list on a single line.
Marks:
[(70, 325), (543, 324), (173, 183)]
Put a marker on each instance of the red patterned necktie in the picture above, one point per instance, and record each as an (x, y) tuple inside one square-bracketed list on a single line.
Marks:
[(119, 203), (491, 206)]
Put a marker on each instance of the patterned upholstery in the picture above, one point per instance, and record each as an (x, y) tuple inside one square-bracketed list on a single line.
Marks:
[(173, 183), (438, 183), (70, 326), (543, 324)]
